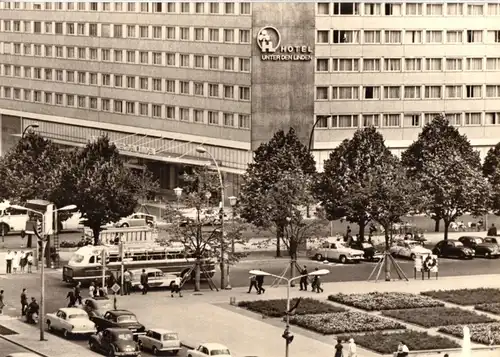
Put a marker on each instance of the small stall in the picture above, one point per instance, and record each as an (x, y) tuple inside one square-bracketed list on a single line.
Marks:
[(426, 263)]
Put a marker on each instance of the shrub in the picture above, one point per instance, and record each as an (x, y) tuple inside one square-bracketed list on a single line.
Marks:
[(481, 333), (344, 322), (386, 343), (384, 301), (277, 307), (491, 308), (438, 316), (466, 296)]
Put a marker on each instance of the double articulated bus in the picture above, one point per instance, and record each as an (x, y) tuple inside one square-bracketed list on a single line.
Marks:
[(139, 251)]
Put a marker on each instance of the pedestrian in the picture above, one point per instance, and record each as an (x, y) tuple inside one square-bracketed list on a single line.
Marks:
[(24, 302), (23, 261), (493, 230), (33, 308), (351, 349), (2, 304), (127, 282), (338, 349), (16, 259), (316, 284), (260, 283), (8, 261), (175, 287), (92, 290), (78, 292), (253, 284), (402, 351), (71, 298), (29, 260), (111, 280), (303, 279), (144, 282)]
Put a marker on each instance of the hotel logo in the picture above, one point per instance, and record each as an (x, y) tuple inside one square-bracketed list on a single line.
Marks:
[(269, 41)]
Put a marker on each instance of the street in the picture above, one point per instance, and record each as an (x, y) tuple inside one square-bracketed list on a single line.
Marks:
[(7, 347)]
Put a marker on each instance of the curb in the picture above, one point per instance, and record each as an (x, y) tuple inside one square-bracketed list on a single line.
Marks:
[(22, 346)]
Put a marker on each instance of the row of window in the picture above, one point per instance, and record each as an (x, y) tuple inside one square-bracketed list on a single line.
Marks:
[(406, 36), (153, 110), (407, 120), (419, 64), (412, 92), (202, 89), (146, 31), (408, 9), (169, 59), (214, 8)]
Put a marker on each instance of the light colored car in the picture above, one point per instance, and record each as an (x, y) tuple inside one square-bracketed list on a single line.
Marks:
[(96, 306), (70, 321), (137, 219), (408, 249), (156, 278), (339, 252), (210, 349), (159, 341), (23, 354)]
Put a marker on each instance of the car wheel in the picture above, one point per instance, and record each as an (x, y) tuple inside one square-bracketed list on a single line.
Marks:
[(155, 351), (343, 259), (437, 252), (413, 256), (49, 328), (487, 255), (318, 257), (175, 352), (124, 225), (150, 225), (65, 333), (92, 346)]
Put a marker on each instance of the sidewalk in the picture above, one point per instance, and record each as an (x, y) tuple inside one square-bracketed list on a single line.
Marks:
[(198, 319), (28, 337)]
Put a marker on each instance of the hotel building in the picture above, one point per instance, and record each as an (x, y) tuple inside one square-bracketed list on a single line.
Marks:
[(162, 78)]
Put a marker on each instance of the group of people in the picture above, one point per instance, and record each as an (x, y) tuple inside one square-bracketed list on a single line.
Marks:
[(304, 281), (402, 350), (257, 282), (18, 262), (29, 310)]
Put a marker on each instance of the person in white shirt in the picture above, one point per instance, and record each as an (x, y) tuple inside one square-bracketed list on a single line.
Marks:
[(15, 262), (8, 261), (402, 350), (92, 290), (351, 348), (29, 260)]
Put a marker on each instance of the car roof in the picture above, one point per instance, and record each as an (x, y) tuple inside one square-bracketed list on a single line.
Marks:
[(161, 330), (120, 312), (117, 330), (70, 310), (473, 237), (214, 346)]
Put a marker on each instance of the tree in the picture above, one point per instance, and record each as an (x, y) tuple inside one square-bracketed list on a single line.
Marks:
[(99, 184), (282, 153), (491, 170), (201, 234), (449, 171), (342, 187)]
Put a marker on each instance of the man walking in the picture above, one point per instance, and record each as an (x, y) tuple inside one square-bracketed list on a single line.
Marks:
[(127, 282), (260, 282), (8, 260), (24, 302), (303, 279), (78, 293), (144, 282), (253, 284)]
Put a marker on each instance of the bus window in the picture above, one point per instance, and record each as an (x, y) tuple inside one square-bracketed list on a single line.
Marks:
[(92, 260)]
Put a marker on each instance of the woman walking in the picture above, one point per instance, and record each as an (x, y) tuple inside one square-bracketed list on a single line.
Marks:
[(338, 349), (72, 299)]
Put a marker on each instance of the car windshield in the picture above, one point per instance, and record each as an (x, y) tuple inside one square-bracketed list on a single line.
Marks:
[(77, 316), (219, 352), (125, 336), (458, 244), (126, 318), (76, 258), (478, 240), (170, 337), (366, 245), (413, 244)]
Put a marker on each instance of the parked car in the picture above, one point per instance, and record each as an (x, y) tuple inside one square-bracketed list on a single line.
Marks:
[(210, 349), (452, 248), (136, 220), (156, 278), (370, 253), (339, 252), (207, 216), (120, 319), (409, 249), (493, 240), (114, 342), (70, 321), (160, 341), (96, 306), (480, 247)]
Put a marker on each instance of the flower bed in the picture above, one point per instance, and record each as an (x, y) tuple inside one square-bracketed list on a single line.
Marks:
[(438, 316), (479, 333), (344, 322), (466, 296), (277, 307), (491, 308), (384, 301), (387, 343)]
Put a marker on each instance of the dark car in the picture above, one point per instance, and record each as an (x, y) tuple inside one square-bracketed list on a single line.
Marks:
[(481, 248), (114, 342), (368, 248), (119, 319), (452, 248), (96, 306)]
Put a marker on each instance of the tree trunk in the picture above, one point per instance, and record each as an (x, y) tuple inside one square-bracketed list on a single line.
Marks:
[(437, 221), (362, 226), (293, 259), (197, 275), (387, 262), (279, 236), (96, 232), (446, 228)]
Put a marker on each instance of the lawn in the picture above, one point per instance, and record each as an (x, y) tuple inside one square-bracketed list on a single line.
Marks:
[(438, 316), (386, 343), (493, 308), (277, 307), (466, 296), (377, 301), (344, 322), (485, 334)]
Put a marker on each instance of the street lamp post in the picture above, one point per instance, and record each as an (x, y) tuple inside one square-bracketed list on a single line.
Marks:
[(202, 150), (178, 194), (207, 196), (34, 126), (232, 202), (42, 265), (286, 334)]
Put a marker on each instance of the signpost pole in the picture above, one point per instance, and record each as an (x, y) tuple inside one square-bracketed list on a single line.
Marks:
[(42, 292), (103, 258), (122, 267)]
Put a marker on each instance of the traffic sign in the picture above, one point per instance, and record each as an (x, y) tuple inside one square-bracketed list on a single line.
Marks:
[(115, 288)]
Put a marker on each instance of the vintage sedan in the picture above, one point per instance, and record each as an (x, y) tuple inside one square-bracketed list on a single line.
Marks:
[(70, 321), (480, 247), (160, 341), (409, 249), (156, 278), (210, 349), (114, 342), (453, 249), (370, 253), (339, 252), (96, 306), (493, 240), (120, 319)]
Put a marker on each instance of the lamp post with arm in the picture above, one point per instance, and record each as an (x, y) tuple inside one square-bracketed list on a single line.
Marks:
[(178, 194), (202, 150), (34, 126), (232, 202), (288, 337)]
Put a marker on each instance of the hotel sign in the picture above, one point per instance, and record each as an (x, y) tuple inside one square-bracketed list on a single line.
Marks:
[(136, 149), (269, 42)]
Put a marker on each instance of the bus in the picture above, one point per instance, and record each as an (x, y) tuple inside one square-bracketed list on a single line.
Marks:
[(12, 220), (139, 252)]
